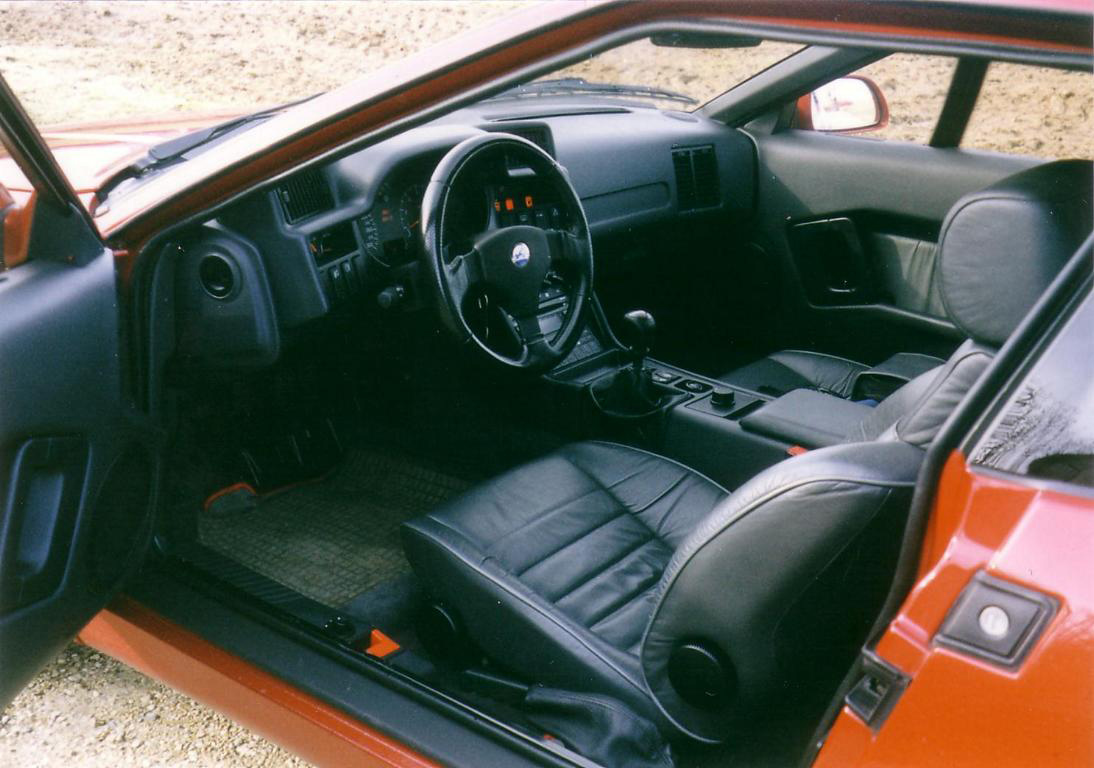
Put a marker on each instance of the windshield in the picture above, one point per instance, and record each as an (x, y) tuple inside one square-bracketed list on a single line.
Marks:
[(75, 63), (672, 77)]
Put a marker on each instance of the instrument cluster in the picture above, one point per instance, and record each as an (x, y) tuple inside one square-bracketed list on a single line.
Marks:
[(389, 229)]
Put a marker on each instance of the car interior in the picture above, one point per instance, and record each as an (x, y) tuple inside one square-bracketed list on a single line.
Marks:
[(599, 418)]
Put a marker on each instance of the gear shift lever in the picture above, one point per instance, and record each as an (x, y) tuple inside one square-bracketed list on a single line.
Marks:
[(631, 392), (640, 327)]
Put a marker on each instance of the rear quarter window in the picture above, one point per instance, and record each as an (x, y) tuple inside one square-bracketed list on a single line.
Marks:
[(1036, 111)]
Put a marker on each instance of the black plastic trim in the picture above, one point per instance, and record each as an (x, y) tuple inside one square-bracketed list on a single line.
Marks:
[(875, 694), (960, 633), (27, 147), (961, 99)]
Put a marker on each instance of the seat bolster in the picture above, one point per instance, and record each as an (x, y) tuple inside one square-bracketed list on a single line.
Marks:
[(916, 412), (501, 614), (906, 365), (743, 570), (793, 369)]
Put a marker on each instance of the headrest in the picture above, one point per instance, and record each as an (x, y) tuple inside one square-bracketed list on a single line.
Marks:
[(1003, 245)]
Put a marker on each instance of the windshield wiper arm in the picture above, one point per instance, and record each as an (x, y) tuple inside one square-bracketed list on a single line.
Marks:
[(580, 86), (172, 149)]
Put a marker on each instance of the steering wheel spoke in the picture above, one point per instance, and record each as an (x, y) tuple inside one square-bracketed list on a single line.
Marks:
[(536, 347), (463, 273), (529, 328), (568, 251)]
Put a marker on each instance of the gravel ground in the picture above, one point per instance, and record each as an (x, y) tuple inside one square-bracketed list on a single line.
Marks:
[(87, 710), (86, 61)]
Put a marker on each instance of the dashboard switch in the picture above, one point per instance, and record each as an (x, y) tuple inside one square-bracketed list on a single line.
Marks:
[(337, 283), (349, 276)]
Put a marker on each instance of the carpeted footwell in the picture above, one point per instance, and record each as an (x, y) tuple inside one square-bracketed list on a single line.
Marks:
[(335, 538)]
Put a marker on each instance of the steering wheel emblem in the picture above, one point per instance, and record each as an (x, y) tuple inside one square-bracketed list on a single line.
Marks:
[(522, 254)]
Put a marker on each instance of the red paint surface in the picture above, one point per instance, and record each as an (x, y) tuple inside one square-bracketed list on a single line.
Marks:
[(298, 721), (960, 711)]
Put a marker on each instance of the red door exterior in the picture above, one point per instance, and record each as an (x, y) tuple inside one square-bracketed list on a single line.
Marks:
[(961, 711)]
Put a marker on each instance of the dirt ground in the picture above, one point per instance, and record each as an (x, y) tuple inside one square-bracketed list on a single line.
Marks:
[(87, 710), (74, 62)]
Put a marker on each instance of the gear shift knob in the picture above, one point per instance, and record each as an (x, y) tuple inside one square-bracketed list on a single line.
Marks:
[(639, 327)]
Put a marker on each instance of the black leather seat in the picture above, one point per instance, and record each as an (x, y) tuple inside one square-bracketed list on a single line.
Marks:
[(574, 546), (1054, 184), (608, 570)]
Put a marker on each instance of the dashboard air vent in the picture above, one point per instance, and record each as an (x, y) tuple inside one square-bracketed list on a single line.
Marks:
[(303, 195), (697, 183)]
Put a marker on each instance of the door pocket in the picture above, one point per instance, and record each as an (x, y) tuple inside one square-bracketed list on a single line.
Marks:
[(831, 262), (48, 481)]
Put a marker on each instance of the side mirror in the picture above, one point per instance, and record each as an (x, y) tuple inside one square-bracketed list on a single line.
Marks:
[(852, 104)]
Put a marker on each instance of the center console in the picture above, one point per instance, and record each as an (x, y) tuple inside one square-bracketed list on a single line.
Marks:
[(727, 433), (682, 415)]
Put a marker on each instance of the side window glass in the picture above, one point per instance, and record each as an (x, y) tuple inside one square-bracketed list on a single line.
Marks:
[(1046, 428), (908, 90), (1037, 111)]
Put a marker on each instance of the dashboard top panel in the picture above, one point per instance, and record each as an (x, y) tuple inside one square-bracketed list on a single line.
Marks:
[(327, 235)]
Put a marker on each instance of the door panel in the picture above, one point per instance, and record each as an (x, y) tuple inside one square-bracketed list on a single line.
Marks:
[(76, 467), (853, 224)]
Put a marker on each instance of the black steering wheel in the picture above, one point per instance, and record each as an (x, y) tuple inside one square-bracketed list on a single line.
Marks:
[(506, 263)]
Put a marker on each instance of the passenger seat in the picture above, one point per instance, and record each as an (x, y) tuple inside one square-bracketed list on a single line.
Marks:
[(1058, 193)]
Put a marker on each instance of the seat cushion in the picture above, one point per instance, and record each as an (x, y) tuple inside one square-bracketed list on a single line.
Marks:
[(560, 558), (791, 369)]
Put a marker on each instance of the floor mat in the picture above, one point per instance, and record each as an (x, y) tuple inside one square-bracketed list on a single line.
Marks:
[(334, 539)]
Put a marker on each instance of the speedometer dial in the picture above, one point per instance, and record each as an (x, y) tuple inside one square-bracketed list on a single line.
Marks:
[(410, 207)]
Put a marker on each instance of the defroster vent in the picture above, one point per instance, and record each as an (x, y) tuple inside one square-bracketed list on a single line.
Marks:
[(304, 195), (697, 184)]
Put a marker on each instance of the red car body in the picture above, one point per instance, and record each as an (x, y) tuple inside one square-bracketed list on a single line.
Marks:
[(959, 711)]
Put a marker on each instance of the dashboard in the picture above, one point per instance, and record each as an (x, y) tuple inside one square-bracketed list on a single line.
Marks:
[(333, 237)]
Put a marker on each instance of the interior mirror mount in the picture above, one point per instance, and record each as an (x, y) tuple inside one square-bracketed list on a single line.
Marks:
[(685, 39), (852, 104)]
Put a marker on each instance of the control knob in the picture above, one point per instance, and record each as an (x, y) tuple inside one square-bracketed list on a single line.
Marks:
[(391, 297)]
